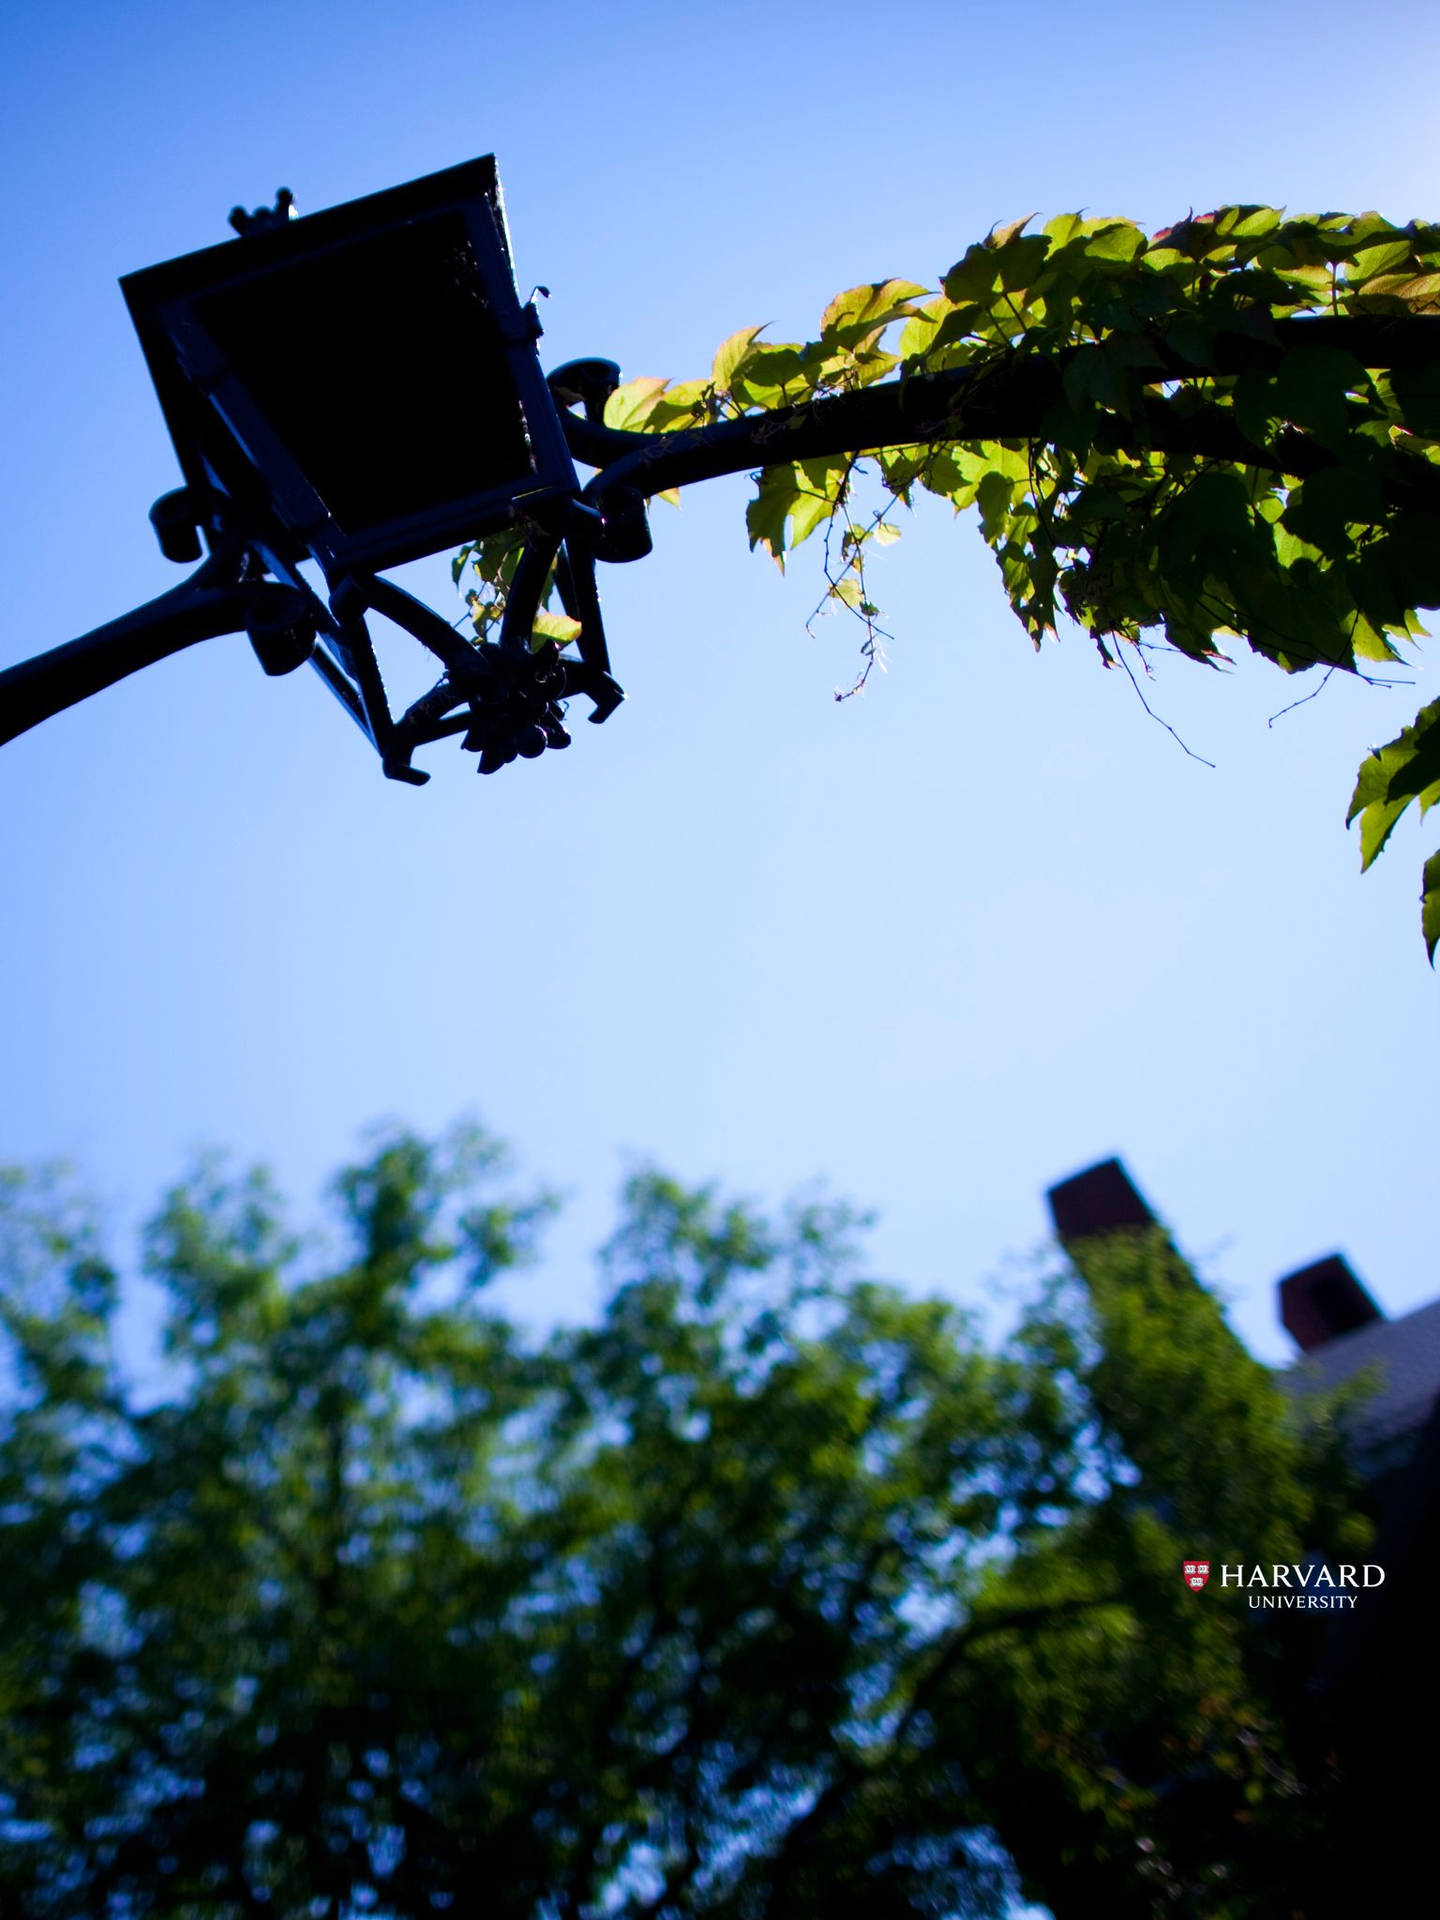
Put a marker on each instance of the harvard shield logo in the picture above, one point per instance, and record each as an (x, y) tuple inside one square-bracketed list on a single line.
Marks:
[(1197, 1572)]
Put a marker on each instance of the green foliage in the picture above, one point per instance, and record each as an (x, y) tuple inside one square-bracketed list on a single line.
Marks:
[(773, 1592), (493, 561), (1191, 476), (1390, 778)]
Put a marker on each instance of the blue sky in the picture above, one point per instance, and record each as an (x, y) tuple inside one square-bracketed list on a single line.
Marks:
[(940, 945)]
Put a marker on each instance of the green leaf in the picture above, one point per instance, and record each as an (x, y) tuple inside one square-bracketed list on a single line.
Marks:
[(1399, 293), (1371, 261), (973, 278), (994, 496), (1322, 508), (1064, 228), (630, 406), (771, 376), (685, 405), (1421, 291), (1430, 905), (1312, 387), (1105, 374), (854, 317), (817, 496), (1192, 339), (558, 627), (1208, 526), (1394, 775), (731, 354), (1004, 236), (1119, 240), (1021, 261), (1419, 776), (1418, 392), (1249, 223), (1409, 553), (920, 329), (870, 363), (768, 513)]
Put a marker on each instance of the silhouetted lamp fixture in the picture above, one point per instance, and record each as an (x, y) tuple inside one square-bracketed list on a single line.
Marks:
[(353, 389), (364, 381), (356, 388)]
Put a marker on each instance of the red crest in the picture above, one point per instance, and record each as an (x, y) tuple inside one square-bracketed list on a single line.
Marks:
[(1197, 1572)]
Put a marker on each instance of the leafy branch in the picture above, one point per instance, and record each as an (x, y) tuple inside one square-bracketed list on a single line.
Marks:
[(1229, 429)]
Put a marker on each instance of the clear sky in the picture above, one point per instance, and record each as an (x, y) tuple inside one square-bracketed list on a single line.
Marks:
[(940, 945)]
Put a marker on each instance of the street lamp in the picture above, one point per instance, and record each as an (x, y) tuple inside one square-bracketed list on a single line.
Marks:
[(356, 389), (361, 387)]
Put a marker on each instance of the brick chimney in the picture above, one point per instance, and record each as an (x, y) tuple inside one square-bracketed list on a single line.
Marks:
[(1102, 1199), (1322, 1301)]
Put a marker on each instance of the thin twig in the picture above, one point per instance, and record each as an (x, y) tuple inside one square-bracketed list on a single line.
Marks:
[(1304, 698), (1159, 721), (872, 651)]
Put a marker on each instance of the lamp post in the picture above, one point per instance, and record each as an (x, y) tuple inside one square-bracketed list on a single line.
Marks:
[(362, 387)]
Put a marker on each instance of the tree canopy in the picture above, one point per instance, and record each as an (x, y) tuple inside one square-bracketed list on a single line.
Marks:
[(1229, 429), (775, 1591)]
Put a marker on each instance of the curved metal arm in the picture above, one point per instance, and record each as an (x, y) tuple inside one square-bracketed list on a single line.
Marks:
[(1006, 402), (506, 697), (211, 602)]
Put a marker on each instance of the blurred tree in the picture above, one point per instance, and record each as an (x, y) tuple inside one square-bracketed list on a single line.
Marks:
[(775, 1592)]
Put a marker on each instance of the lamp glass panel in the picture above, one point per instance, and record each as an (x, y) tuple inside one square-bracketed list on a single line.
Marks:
[(381, 366)]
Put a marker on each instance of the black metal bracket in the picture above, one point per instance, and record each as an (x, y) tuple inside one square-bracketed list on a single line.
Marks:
[(265, 219), (507, 698), (225, 595)]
